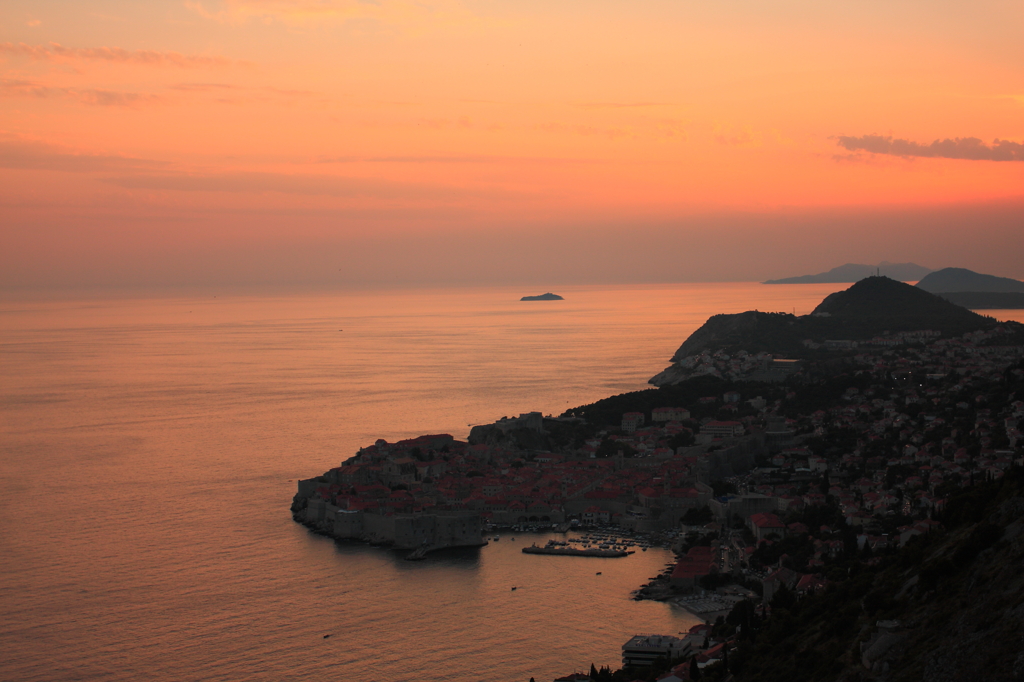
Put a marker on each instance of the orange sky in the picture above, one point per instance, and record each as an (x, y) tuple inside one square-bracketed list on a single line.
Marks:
[(370, 141)]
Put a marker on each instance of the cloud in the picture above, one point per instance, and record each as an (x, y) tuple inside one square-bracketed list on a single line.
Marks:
[(288, 10), (299, 184), (386, 13), (204, 87), (621, 105), (57, 52), (585, 130), (91, 96), (469, 158), (22, 154), (745, 137), (970, 148)]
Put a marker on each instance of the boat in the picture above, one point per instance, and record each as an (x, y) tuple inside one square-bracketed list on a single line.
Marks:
[(574, 551)]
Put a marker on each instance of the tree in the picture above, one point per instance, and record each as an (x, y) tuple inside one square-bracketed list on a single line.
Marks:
[(694, 669), (698, 517), (721, 488), (743, 617), (783, 597)]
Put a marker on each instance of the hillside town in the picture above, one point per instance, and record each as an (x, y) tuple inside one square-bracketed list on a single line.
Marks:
[(762, 488)]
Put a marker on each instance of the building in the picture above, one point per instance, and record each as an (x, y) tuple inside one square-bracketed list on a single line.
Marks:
[(532, 421), (743, 506), (669, 414), (631, 421), (698, 562), (644, 650), (762, 525), (771, 584), (716, 429)]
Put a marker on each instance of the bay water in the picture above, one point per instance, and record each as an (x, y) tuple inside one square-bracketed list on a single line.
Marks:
[(150, 445)]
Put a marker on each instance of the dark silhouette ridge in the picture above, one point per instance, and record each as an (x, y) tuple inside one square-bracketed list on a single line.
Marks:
[(872, 307), (957, 280), (853, 272)]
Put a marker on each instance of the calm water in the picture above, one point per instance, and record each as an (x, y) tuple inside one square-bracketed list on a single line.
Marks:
[(149, 448)]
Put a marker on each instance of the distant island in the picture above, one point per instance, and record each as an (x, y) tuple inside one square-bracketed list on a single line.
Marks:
[(853, 272), (973, 289), (543, 297), (948, 280)]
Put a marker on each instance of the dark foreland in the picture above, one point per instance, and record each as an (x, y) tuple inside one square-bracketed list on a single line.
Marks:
[(853, 272), (876, 312), (852, 514)]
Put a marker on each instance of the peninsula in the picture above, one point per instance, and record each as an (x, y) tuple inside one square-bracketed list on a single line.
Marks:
[(853, 272), (875, 313), (543, 297), (856, 512)]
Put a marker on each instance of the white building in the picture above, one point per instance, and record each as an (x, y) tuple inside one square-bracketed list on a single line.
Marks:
[(644, 650), (717, 429), (669, 414)]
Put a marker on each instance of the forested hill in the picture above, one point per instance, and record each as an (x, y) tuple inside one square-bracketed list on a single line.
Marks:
[(880, 304), (869, 308)]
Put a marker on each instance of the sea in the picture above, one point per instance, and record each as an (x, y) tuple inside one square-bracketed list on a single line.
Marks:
[(150, 446)]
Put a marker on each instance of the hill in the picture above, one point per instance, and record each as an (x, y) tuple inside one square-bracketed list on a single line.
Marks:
[(873, 307), (878, 303), (853, 272), (950, 280)]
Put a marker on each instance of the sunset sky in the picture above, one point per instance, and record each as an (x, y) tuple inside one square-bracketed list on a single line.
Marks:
[(379, 142)]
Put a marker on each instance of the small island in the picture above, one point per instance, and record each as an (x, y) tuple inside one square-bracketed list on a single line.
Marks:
[(543, 297)]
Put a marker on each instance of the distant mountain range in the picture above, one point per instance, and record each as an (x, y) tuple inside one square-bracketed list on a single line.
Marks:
[(853, 272)]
